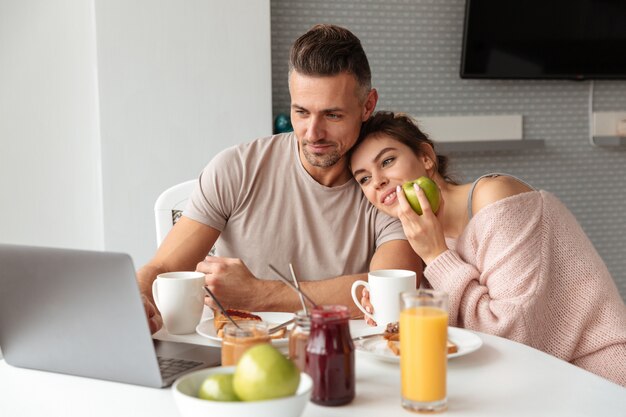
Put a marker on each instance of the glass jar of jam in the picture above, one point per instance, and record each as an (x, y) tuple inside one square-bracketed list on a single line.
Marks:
[(237, 340), (298, 338), (330, 356)]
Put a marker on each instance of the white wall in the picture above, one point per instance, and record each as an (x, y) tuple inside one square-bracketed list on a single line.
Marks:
[(50, 182), (99, 115), (179, 81)]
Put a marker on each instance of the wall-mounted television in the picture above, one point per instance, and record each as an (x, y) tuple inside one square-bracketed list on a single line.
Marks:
[(566, 39)]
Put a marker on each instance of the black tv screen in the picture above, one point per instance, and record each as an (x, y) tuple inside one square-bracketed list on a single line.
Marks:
[(567, 39)]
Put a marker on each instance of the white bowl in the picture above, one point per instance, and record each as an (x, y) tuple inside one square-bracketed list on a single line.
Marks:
[(186, 390)]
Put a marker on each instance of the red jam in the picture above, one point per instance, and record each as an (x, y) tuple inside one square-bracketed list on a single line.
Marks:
[(330, 356)]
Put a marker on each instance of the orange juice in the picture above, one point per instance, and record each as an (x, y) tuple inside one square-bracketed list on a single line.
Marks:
[(424, 357)]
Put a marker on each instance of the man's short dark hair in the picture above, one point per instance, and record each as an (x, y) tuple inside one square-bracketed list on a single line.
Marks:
[(326, 50)]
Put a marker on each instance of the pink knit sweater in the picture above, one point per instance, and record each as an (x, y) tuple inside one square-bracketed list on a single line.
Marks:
[(524, 269)]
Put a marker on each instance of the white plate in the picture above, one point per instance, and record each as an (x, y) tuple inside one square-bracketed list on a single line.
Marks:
[(375, 346), (207, 329)]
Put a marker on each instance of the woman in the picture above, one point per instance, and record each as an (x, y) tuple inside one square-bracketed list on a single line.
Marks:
[(513, 259)]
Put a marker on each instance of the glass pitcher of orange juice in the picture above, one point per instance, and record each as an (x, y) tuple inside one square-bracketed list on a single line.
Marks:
[(423, 350)]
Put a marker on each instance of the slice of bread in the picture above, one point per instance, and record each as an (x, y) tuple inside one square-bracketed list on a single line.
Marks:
[(394, 347), (221, 320), (279, 334), (392, 332)]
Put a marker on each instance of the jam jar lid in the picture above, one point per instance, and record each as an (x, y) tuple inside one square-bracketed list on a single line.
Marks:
[(330, 312)]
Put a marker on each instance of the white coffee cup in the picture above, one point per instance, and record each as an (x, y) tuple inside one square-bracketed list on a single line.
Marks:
[(385, 286), (179, 296)]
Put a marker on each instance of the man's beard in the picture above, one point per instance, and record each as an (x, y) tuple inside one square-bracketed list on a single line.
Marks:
[(321, 161)]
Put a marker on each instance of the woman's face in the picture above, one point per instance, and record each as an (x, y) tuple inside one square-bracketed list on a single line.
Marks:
[(379, 164)]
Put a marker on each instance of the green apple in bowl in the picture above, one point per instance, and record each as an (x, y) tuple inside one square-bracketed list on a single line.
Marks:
[(430, 189), (185, 391), (218, 387), (264, 373)]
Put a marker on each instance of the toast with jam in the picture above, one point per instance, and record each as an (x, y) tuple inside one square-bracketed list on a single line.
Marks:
[(221, 320)]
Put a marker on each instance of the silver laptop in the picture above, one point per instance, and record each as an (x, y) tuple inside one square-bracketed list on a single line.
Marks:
[(80, 313)]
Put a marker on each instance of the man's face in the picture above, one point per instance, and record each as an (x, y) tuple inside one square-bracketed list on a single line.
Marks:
[(326, 114)]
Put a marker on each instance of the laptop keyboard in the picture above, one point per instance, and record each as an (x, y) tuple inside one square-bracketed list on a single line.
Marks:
[(170, 366)]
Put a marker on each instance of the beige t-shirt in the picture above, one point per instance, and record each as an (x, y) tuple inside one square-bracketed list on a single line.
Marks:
[(271, 211)]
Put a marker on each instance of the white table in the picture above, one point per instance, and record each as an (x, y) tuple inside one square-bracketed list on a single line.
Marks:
[(502, 378)]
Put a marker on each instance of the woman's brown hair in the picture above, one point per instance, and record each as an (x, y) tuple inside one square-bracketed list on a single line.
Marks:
[(404, 129)]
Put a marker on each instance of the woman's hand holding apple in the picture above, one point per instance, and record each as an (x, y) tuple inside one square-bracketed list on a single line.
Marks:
[(424, 232)]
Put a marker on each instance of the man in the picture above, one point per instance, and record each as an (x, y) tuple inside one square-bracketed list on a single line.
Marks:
[(290, 197)]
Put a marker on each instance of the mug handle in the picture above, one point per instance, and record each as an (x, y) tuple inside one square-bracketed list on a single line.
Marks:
[(356, 284), (155, 294)]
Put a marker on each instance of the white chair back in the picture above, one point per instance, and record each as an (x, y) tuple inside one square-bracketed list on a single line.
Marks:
[(169, 207)]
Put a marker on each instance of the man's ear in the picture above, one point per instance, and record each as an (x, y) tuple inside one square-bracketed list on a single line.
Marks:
[(370, 104)]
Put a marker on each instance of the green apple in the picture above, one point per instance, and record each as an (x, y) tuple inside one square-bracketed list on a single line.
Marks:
[(218, 387), (263, 373), (430, 189)]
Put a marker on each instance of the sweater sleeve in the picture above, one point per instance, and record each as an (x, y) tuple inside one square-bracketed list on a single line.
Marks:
[(494, 272)]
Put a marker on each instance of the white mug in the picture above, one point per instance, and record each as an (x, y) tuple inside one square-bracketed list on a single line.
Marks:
[(385, 286), (179, 296)]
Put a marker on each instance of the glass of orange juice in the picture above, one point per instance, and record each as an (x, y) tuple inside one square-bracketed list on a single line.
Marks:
[(423, 350)]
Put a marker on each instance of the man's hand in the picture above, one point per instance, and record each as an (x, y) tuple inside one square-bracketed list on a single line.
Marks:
[(232, 283), (154, 318)]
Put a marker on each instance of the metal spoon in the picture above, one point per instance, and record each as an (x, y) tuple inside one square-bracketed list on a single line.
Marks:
[(297, 284), (280, 326), (293, 287), (222, 309)]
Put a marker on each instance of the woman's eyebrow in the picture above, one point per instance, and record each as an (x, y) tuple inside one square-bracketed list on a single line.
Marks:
[(358, 171), (383, 151), (376, 158)]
